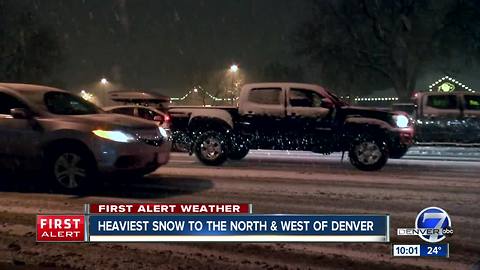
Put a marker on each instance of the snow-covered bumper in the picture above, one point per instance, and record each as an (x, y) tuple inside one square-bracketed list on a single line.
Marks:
[(403, 136), (143, 156), (400, 140)]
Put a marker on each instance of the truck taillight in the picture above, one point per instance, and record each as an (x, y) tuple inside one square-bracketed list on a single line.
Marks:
[(167, 118)]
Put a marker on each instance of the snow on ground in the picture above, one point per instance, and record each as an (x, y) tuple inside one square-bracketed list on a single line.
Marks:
[(274, 182)]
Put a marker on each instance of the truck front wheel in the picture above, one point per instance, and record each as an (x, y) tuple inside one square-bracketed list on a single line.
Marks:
[(368, 154), (211, 148)]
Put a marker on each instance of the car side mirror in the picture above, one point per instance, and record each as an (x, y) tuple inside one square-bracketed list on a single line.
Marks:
[(328, 103), (158, 118), (20, 113)]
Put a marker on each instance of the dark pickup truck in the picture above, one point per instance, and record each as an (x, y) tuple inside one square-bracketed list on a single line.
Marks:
[(291, 116), (447, 118)]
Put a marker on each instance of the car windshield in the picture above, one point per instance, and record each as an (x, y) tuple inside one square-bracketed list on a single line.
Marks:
[(68, 104)]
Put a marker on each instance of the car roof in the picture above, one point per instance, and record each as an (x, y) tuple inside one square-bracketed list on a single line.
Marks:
[(30, 88), (131, 106)]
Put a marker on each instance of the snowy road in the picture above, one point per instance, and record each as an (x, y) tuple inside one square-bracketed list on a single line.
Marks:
[(275, 182)]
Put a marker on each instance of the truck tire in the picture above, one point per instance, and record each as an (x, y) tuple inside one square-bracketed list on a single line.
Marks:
[(397, 153), (368, 154), (238, 153), (211, 148), (70, 169), (238, 148)]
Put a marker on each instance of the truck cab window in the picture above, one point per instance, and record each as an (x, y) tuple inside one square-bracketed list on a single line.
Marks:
[(445, 102), (472, 102), (304, 98), (8, 102), (269, 96)]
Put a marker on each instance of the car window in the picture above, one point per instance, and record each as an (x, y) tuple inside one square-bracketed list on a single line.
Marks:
[(265, 95), (68, 104), (442, 102), (125, 111), (304, 98), (472, 102), (147, 114), (8, 102)]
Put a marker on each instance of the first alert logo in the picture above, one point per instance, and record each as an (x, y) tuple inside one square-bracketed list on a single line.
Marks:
[(60, 228)]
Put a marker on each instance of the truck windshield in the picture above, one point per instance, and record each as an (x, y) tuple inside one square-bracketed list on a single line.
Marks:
[(68, 104), (336, 99)]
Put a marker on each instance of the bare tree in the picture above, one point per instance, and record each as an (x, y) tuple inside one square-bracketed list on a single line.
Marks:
[(381, 41), (29, 50)]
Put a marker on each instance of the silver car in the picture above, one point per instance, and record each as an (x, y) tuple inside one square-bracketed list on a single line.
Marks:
[(72, 140), (145, 112)]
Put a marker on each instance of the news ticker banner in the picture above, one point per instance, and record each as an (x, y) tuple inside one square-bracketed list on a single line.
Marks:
[(238, 228), (206, 223)]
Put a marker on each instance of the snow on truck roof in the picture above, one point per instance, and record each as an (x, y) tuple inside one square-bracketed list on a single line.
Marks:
[(282, 84)]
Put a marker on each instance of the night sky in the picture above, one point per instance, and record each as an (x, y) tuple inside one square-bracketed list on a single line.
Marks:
[(170, 45)]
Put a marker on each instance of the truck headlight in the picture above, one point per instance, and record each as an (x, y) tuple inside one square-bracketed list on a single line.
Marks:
[(114, 135), (401, 120)]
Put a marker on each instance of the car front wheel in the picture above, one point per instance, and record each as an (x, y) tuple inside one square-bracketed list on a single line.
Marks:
[(368, 154), (71, 170)]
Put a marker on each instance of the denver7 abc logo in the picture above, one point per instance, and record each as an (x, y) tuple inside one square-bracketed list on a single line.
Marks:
[(433, 224)]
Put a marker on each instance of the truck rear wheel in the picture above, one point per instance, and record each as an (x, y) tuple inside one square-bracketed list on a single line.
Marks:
[(238, 148), (211, 148), (368, 154), (238, 154), (398, 152)]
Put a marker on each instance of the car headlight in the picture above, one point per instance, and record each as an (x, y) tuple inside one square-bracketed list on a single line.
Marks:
[(163, 132), (401, 120), (115, 135)]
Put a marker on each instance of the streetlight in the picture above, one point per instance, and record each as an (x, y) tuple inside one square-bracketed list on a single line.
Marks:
[(233, 68)]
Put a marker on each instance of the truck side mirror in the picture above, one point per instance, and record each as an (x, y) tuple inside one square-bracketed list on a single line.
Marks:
[(20, 113), (328, 103)]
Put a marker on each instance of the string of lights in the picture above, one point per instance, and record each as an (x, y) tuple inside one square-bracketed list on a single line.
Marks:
[(448, 78)]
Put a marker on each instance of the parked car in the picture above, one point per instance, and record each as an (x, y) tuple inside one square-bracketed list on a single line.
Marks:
[(447, 118), (71, 140), (145, 112), (293, 116)]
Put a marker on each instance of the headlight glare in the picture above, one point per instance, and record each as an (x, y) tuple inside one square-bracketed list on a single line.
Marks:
[(114, 135), (163, 132), (401, 121)]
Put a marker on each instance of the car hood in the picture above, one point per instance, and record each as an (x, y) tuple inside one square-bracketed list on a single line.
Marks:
[(110, 121)]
